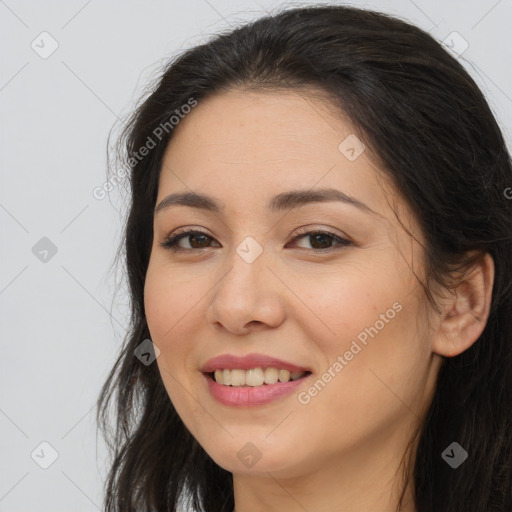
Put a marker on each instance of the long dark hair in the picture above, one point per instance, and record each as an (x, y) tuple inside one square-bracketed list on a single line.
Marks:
[(421, 114)]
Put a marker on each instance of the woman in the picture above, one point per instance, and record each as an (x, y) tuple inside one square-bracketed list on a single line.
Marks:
[(318, 247)]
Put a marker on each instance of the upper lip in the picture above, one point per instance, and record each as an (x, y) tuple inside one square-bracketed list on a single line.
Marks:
[(247, 362)]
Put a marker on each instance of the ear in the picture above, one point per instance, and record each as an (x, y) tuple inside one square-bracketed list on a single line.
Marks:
[(465, 314)]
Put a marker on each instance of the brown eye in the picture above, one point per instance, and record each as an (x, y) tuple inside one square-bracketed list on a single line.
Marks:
[(197, 240), (321, 240)]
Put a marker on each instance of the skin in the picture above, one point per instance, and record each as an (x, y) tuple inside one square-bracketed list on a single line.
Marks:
[(342, 450)]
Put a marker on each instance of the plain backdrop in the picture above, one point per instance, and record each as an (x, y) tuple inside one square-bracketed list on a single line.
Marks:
[(61, 323)]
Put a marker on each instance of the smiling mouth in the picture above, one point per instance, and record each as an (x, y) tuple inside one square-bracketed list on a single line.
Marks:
[(254, 377)]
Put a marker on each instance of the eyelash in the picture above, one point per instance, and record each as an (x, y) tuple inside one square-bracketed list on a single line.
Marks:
[(170, 243)]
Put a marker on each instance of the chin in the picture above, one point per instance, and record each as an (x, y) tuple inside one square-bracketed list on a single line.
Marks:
[(252, 455)]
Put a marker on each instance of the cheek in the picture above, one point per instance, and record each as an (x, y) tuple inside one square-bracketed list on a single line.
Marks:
[(167, 299), (167, 310), (380, 369), (371, 341), (156, 295), (346, 301)]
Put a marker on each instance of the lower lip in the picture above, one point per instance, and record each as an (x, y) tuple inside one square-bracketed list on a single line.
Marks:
[(251, 396)]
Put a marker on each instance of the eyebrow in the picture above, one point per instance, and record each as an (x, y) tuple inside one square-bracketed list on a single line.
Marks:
[(280, 202)]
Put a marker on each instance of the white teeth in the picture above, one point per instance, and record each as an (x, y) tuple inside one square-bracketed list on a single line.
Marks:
[(284, 375), (271, 375), (254, 377), (237, 377)]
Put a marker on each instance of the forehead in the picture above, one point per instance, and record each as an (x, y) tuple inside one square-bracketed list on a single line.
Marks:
[(248, 146)]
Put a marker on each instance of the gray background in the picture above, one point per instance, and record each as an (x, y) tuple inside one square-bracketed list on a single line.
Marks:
[(61, 324)]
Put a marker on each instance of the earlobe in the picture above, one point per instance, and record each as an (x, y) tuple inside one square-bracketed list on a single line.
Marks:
[(465, 314)]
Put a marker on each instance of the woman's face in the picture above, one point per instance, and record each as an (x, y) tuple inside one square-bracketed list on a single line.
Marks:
[(344, 305)]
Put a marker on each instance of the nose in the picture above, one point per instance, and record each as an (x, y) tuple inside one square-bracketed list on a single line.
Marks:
[(248, 297)]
